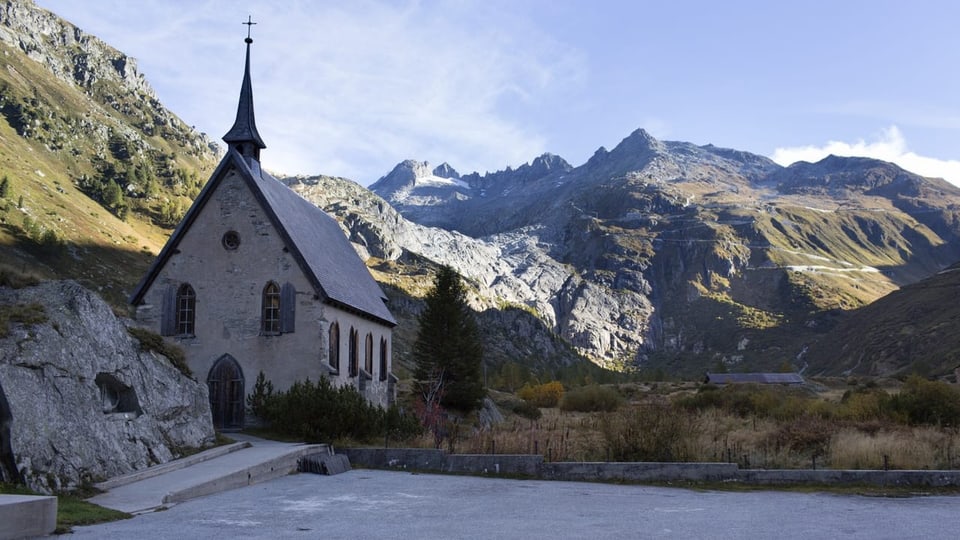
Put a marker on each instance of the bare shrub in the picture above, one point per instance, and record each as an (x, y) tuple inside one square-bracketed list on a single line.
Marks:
[(808, 435), (591, 398), (652, 431)]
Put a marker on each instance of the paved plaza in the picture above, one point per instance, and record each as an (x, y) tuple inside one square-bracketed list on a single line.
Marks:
[(389, 504)]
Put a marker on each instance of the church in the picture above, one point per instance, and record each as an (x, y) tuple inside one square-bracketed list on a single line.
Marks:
[(256, 278)]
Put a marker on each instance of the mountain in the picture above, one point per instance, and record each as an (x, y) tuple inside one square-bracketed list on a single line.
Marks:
[(97, 171), (685, 256), (912, 329)]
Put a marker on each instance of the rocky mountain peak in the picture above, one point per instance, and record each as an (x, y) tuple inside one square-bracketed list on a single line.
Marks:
[(547, 163), (444, 170), (68, 52), (638, 144), (403, 176), (837, 174)]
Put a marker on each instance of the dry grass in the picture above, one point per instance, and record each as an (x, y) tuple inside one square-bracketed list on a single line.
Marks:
[(910, 448), (715, 435)]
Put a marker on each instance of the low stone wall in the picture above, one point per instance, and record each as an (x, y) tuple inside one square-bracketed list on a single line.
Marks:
[(438, 460), (495, 464), (416, 459), (533, 466), (849, 477), (638, 472)]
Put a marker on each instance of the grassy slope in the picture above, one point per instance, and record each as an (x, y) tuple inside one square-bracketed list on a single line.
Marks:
[(102, 251), (911, 329)]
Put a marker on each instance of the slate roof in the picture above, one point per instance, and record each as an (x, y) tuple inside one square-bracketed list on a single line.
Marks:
[(315, 240), (756, 378)]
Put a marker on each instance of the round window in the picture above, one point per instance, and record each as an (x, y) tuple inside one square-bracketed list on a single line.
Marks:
[(231, 240)]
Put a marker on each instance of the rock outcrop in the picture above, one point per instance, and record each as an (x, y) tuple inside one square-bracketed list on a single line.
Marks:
[(107, 78), (512, 269), (86, 403)]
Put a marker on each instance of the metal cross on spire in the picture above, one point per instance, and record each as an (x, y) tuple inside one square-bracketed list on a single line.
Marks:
[(249, 24)]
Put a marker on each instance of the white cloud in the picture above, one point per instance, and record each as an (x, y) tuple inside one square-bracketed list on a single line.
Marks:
[(890, 146), (350, 88)]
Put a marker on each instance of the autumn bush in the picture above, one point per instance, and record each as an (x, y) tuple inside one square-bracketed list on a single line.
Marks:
[(542, 395)]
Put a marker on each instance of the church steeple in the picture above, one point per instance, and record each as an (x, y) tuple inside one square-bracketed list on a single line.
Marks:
[(243, 136)]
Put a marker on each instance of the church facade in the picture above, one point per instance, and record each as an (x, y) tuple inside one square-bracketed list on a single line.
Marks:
[(257, 279)]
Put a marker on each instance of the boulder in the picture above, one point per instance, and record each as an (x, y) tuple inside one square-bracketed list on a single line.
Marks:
[(85, 403)]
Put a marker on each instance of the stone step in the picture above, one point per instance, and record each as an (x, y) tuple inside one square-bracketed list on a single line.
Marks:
[(324, 463), (27, 516)]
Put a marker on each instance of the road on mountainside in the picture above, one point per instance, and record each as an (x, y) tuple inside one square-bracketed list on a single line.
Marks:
[(388, 504)]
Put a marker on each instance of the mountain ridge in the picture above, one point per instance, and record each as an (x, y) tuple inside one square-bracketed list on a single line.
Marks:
[(674, 225)]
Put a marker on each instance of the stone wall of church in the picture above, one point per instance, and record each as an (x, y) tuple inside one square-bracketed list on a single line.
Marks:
[(229, 285), (373, 384)]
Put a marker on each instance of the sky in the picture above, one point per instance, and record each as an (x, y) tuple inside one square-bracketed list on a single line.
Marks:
[(352, 88)]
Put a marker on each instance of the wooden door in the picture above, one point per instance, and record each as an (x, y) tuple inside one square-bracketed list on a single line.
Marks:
[(225, 383)]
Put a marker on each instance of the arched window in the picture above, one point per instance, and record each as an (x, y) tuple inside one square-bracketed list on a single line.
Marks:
[(186, 310), (383, 359), (354, 345), (334, 343), (271, 309), (368, 352)]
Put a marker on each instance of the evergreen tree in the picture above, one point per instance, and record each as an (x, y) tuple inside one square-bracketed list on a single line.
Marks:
[(448, 351), (4, 187)]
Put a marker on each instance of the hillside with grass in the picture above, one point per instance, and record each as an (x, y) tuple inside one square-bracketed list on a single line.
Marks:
[(95, 172), (910, 330)]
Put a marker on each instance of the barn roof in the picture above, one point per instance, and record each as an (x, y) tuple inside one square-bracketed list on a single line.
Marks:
[(756, 378)]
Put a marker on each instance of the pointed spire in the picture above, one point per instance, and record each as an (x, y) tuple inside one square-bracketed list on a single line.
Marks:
[(243, 136)]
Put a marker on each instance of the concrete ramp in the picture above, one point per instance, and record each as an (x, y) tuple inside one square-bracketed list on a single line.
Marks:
[(249, 462)]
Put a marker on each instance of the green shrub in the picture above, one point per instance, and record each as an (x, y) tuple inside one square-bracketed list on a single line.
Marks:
[(865, 404), (591, 398), (542, 395), (754, 400), (258, 400), (527, 409), (320, 412), (928, 402)]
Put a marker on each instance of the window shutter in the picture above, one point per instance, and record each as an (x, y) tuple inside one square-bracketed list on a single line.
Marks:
[(168, 312), (288, 308)]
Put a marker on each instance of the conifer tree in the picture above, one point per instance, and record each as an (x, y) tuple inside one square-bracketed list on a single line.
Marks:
[(4, 187), (448, 351)]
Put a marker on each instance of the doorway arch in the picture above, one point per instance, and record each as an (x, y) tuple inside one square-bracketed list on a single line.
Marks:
[(226, 385)]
